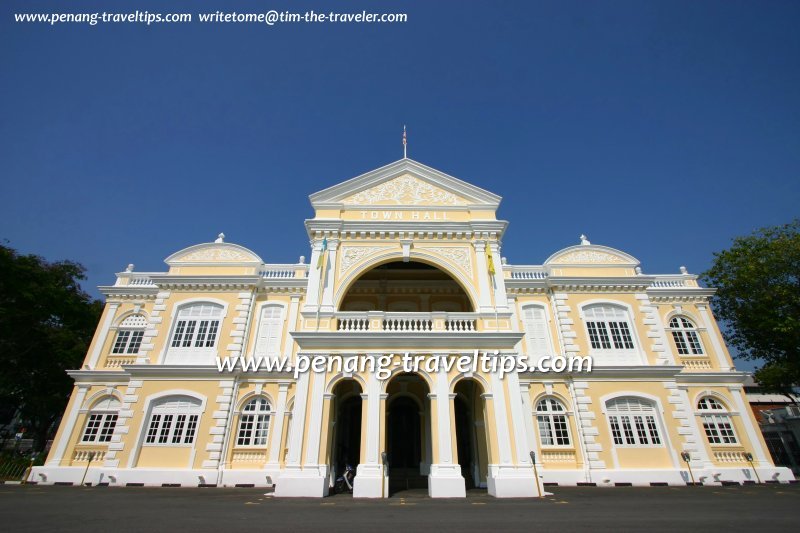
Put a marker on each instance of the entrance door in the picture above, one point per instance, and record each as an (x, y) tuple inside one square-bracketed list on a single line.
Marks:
[(405, 446)]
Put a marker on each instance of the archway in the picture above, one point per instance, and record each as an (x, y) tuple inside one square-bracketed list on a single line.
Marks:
[(472, 443), (413, 287), (345, 433), (408, 436)]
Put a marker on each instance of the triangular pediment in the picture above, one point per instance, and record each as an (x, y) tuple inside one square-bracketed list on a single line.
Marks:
[(405, 183)]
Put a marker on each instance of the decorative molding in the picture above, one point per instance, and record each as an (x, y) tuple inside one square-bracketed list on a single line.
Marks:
[(458, 255), (354, 254), (405, 190), (216, 254), (583, 257)]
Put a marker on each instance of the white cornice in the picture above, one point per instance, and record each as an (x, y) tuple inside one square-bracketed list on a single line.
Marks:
[(413, 339)]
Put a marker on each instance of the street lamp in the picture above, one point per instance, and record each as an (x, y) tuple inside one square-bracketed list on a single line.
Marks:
[(686, 456), (749, 457), (536, 473)]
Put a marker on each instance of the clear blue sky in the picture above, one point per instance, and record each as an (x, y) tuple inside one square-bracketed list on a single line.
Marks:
[(661, 128)]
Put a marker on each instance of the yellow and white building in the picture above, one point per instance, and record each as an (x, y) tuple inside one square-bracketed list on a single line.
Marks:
[(406, 259)]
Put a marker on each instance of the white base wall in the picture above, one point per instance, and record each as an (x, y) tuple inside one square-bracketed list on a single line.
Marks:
[(446, 481), (514, 482), (305, 482), (643, 478)]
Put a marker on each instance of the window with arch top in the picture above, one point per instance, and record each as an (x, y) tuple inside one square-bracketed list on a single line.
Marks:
[(129, 335), (552, 419), (102, 420), (254, 423), (197, 326), (684, 333), (633, 422), (610, 332), (173, 421), (716, 421)]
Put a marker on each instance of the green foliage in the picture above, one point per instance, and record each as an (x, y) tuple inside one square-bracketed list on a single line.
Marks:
[(758, 300), (46, 324)]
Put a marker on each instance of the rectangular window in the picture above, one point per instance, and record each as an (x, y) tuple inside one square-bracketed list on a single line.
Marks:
[(121, 342), (598, 335), (615, 432), (560, 426), (621, 335), (107, 430), (152, 431), (680, 343), (636, 430), (135, 342), (172, 429), (91, 427), (694, 342)]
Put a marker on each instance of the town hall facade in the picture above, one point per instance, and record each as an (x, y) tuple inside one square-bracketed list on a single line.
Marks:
[(406, 259)]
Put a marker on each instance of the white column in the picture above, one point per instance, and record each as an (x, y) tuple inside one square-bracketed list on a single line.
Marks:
[(484, 296), (330, 277), (445, 480), (291, 324), (518, 420), (315, 420), (719, 350), (527, 412), (277, 426), (500, 300), (503, 435), (698, 451), (69, 426), (312, 294), (298, 421), (370, 478), (100, 338), (752, 436)]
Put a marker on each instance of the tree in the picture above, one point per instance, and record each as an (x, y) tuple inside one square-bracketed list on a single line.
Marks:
[(758, 300), (46, 324)]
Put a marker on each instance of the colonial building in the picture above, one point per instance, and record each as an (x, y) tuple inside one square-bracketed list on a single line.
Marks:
[(406, 259)]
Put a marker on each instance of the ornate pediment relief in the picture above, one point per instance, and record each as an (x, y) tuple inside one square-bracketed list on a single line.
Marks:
[(352, 255), (214, 253), (592, 255), (405, 190), (457, 255)]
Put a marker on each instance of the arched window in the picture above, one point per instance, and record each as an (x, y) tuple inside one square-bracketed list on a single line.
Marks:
[(173, 421), (129, 335), (254, 423), (609, 327), (633, 422), (716, 421), (270, 328), (102, 420), (684, 333), (553, 426), (537, 336), (197, 326)]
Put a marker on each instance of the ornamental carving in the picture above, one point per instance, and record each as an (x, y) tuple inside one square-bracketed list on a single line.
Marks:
[(354, 254), (582, 257), (405, 190), (217, 254), (459, 256)]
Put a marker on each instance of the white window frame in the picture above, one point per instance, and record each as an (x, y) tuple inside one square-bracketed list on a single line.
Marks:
[(254, 423), (636, 425), (548, 341), (717, 422), (548, 416), (257, 348), (686, 334), (173, 418), (201, 316), (130, 335), (609, 333), (101, 421)]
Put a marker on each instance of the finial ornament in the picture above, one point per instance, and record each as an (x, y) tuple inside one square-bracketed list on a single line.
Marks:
[(302, 260), (130, 267), (683, 270), (405, 143), (638, 271), (220, 238), (585, 240)]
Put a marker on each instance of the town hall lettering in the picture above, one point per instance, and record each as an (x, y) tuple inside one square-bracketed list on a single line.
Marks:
[(404, 215)]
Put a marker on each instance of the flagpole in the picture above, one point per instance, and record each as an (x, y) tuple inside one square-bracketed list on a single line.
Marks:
[(405, 143)]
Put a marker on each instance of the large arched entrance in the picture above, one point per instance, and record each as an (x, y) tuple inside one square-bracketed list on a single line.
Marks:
[(471, 438), (411, 287), (408, 435), (345, 427)]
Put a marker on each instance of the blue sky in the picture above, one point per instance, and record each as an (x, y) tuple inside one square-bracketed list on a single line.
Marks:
[(661, 128)]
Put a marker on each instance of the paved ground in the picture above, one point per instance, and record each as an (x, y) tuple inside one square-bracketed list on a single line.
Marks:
[(85, 509)]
